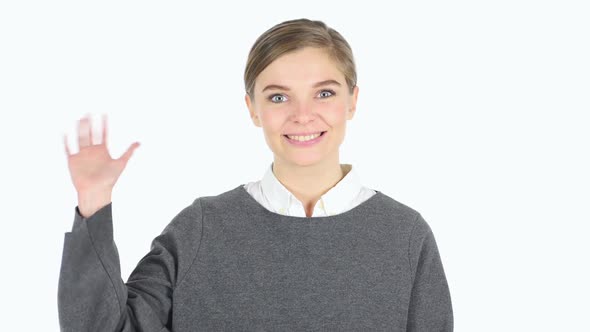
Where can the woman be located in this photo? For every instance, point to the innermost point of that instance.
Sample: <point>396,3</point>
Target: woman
<point>305,248</point>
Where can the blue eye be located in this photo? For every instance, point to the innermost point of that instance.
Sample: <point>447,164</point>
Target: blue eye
<point>271,98</point>
<point>329,91</point>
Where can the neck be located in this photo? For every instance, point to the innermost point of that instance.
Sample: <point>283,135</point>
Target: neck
<point>309,182</point>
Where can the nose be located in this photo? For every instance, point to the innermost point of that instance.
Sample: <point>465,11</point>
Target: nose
<point>302,112</point>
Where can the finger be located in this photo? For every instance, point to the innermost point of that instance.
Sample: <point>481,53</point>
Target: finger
<point>66,145</point>
<point>83,132</point>
<point>89,128</point>
<point>104,129</point>
<point>125,157</point>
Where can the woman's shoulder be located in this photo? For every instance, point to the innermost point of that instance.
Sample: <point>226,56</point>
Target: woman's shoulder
<point>392,206</point>
<point>229,196</point>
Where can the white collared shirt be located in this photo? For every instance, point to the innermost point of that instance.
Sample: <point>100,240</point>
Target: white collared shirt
<point>345,195</point>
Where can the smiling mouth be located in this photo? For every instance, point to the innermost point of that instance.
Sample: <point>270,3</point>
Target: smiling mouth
<point>321,134</point>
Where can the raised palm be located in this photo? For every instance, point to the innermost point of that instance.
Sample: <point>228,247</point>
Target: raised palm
<point>92,169</point>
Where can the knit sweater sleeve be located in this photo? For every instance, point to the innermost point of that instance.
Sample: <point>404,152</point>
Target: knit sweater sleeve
<point>91,294</point>
<point>430,303</point>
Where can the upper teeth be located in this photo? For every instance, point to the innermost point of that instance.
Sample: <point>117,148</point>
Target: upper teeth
<point>304,138</point>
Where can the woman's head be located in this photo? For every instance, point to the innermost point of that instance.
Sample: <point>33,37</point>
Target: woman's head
<point>294,35</point>
<point>300,77</point>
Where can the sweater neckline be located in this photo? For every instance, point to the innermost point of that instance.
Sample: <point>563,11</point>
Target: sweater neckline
<point>256,205</point>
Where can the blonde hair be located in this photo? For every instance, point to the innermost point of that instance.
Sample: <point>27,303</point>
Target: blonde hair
<point>293,35</point>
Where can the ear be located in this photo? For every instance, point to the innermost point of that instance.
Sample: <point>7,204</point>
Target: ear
<point>253,114</point>
<point>353,99</point>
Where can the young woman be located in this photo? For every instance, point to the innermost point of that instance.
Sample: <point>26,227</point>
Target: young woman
<point>306,248</point>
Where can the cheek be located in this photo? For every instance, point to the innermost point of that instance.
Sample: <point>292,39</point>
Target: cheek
<point>272,119</point>
<point>335,112</point>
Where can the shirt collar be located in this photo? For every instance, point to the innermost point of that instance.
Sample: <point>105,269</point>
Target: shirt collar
<point>337,199</point>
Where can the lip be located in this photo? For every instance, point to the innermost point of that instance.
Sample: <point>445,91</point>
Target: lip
<point>305,134</point>
<point>307,143</point>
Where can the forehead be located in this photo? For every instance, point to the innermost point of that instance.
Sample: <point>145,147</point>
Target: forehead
<point>305,66</point>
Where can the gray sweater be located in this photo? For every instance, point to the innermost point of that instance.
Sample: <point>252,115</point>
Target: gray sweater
<point>226,263</point>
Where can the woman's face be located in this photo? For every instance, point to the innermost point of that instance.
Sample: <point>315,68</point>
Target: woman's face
<point>290,98</point>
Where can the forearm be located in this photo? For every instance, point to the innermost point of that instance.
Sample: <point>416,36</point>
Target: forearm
<point>91,294</point>
<point>89,287</point>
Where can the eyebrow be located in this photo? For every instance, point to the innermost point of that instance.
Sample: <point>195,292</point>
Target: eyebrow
<point>318,84</point>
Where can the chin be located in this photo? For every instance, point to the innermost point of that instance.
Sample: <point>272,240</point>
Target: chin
<point>303,160</point>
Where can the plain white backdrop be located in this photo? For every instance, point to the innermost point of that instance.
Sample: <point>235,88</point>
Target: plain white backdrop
<point>473,113</point>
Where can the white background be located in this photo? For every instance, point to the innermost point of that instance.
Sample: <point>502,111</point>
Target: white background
<point>473,113</point>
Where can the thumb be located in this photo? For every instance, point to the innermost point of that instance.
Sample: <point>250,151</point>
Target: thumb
<point>125,157</point>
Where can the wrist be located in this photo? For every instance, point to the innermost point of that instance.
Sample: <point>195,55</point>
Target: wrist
<point>89,203</point>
